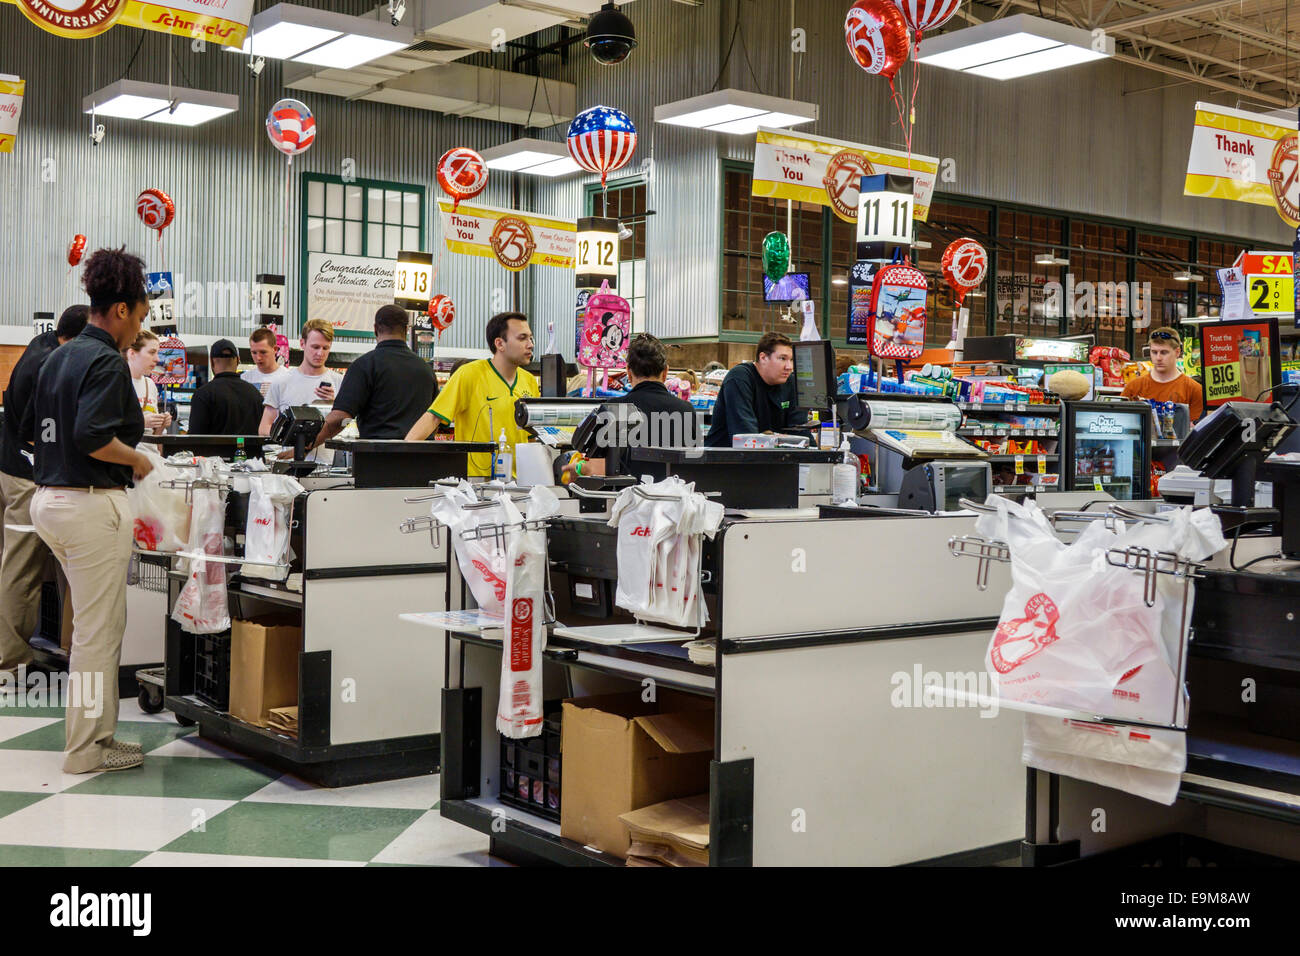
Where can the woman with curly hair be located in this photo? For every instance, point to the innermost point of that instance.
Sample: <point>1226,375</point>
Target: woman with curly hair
<point>85,421</point>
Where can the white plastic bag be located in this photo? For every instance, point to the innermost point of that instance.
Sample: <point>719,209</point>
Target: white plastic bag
<point>162,515</point>
<point>266,536</point>
<point>203,606</point>
<point>1142,761</point>
<point>482,561</point>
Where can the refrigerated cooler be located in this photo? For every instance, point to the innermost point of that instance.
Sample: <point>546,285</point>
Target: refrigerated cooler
<point>1107,447</point>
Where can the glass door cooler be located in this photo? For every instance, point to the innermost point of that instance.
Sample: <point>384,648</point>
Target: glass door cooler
<point>1107,447</point>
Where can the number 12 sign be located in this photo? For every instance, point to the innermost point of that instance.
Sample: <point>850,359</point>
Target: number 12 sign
<point>597,252</point>
<point>885,205</point>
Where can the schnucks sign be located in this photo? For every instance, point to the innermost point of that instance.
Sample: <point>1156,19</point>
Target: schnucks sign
<point>224,22</point>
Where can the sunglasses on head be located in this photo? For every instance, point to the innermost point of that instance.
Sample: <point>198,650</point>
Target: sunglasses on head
<point>1164,335</point>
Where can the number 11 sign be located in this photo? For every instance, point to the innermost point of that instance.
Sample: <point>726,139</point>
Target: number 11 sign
<point>884,215</point>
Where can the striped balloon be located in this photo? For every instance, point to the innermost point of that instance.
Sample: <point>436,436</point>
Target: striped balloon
<point>291,127</point>
<point>601,140</point>
<point>922,15</point>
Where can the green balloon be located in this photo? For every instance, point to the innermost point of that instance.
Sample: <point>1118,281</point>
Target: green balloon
<point>776,255</point>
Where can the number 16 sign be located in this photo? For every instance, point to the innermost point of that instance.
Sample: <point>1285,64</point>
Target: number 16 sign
<point>884,215</point>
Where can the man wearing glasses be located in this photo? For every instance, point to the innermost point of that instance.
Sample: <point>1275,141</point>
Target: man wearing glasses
<point>1165,383</point>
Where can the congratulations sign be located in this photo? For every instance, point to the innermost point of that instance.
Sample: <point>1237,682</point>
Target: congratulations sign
<point>828,171</point>
<point>1246,157</point>
<point>11,107</point>
<point>514,239</point>
<point>347,291</point>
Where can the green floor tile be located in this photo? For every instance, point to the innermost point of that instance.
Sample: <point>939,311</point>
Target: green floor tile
<point>199,778</point>
<point>10,801</point>
<point>32,711</point>
<point>67,856</point>
<point>302,832</point>
<point>148,734</point>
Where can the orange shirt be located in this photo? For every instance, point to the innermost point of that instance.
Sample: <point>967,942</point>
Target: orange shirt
<point>1183,390</point>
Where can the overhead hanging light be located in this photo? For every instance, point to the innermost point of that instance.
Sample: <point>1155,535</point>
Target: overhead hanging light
<point>1187,275</point>
<point>1050,259</point>
<point>290,32</point>
<point>1014,46</point>
<point>159,103</point>
<point>535,157</point>
<point>735,111</point>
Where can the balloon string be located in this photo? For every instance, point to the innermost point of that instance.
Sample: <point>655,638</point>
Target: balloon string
<point>284,240</point>
<point>916,83</point>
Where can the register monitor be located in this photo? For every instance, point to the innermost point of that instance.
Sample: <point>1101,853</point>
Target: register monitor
<point>940,485</point>
<point>1232,440</point>
<point>814,376</point>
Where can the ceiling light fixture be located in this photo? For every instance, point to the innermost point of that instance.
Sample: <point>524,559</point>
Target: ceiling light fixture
<point>535,157</point>
<point>1187,275</point>
<point>735,111</point>
<point>158,103</point>
<point>1015,46</point>
<point>1050,259</point>
<point>335,40</point>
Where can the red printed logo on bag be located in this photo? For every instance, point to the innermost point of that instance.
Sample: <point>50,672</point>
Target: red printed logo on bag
<point>1019,639</point>
<point>521,635</point>
<point>147,534</point>
<point>498,583</point>
<point>642,532</point>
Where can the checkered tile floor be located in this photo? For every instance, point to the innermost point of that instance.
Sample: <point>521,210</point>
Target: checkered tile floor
<point>194,803</point>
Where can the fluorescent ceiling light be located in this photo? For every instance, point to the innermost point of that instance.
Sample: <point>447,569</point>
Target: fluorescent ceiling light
<point>1187,275</point>
<point>131,99</point>
<point>839,280</point>
<point>1014,46</point>
<point>1050,259</point>
<point>319,37</point>
<point>536,157</point>
<point>735,111</point>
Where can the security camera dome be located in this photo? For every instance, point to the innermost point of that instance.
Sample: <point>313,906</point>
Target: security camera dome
<point>610,36</point>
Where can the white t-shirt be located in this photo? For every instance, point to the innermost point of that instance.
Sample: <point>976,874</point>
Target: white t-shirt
<point>263,380</point>
<point>295,388</point>
<point>146,393</point>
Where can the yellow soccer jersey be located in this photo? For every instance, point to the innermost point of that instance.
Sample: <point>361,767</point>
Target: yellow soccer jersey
<point>479,403</point>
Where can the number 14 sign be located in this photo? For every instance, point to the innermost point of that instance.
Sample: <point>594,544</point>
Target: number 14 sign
<point>885,205</point>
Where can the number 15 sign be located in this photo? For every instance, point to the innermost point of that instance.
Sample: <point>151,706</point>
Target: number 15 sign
<point>884,215</point>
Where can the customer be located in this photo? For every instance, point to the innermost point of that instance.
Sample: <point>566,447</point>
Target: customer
<point>479,398</point>
<point>227,405</point>
<point>757,396</point>
<point>388,388</point>
<point>85,420</point>
<point>266,367</point>
<point>1166,382</point>
<point>142,357</point>
<point>23,562</point>
<point>308,384</point>
<point>670,421</point>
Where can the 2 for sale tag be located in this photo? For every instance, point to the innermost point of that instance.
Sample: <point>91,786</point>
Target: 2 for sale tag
<point>1042,463</point>
<point>1096,483</point>
<point>1020,464</point>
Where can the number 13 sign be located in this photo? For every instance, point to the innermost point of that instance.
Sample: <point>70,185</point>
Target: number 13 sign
<point>884,215</point>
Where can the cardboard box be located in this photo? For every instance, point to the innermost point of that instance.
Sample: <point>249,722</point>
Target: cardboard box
<point>263,668</point>
<point>621,753</point>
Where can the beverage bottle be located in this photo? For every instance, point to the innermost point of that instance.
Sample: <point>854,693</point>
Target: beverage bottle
<point>239,449</point>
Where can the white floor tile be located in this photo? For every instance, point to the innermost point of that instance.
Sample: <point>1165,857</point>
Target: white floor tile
<point>36,771</point>
<point>196,746</point>
<point>94,821</point>
<point>411,793</point>
<point>476,858</point>
<point>129,709</point>
<point>205,860</point>
<point>11,727</point>
<point>432,839</point>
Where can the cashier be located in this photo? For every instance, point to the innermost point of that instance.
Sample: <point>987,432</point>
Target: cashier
<point>479,398</point>
<point>757,396</point>
<point>669,421</point>
<point>1165,382</point>
<point>387,389</point>
<point>227,405</point>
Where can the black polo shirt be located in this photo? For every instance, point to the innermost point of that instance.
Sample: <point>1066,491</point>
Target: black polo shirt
<point>22,383</point>
<point>387,390</point>
<point>748,405</point>
<point>671,422</point>
<point>84,399</point>
<point>227,405</point>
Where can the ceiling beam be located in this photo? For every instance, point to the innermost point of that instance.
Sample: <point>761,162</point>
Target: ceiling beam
<point>1168,13</point>
<point>1168,70</point>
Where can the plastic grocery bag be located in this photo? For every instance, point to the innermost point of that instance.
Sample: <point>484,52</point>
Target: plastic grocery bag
<point>202,606</point>
<point>1143,761</point>
<point>482,561</point>
<point>266,536</point>
<point>162,515</point>
<point>519,707</point>
<point>1075,632</point>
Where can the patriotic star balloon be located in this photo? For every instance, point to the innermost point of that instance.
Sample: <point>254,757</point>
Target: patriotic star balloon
<point>601,139</point>
<point>291,126</point>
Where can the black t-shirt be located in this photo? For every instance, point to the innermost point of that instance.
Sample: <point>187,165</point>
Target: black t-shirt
<point>227,405</point>
<point>387,390</point>
<point>670,422</point>
<point>84,399</point>
<point>22,383</point>
<point>748,405</point>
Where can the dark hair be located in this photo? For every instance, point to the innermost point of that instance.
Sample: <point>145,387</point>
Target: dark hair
<point>499,325</point>
<point>72,321</point>
<point>263,334</point>
<point>768,343</point>
<point>646,357</point>
<point>390,319</point>
<point>111,276</point>
<point>457,364</point>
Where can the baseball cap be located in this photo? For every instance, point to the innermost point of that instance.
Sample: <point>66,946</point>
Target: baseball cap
<point>224,348</point>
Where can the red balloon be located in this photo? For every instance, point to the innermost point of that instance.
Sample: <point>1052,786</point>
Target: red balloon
<point>462,174</point>
<point>75,248</point>
<point>965,263</point>
<point>877,36</point>
<point>442,312</point>
<point>155,209</point>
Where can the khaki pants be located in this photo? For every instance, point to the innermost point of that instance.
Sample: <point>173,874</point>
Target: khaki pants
<point>21,570</point>
<point>90,535</point>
